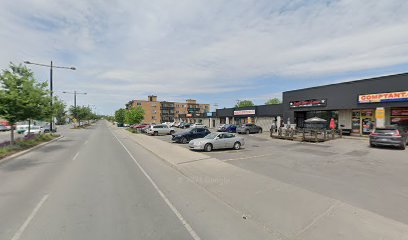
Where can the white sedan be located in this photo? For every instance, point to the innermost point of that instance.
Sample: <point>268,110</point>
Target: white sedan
<point>217,140</point>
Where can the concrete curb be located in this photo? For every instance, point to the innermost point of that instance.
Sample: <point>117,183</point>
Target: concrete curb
<point>18,154</point>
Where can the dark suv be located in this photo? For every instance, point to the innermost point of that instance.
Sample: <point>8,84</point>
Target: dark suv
<point>390,136</point>
<point>249,128</point>
<point>186,136</point>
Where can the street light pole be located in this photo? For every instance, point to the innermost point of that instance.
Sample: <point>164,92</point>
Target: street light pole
<point>75,99</point>
<point>51,66</point>
<point>51,94</point>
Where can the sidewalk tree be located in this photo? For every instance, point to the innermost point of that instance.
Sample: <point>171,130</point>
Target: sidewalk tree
<point>273,101</point>
<point>120,116</point>
<point>134,115</point>
<point>21,96</point>
<point>59,111</point>
<point>81,113</point>
<point>244,103</point>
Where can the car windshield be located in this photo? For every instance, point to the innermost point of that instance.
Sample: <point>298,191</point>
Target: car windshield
<point>211,136</point>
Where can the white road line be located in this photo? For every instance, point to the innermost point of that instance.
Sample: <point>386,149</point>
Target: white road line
<point>249,157</point>
<point>76,155</point>
<point>20,231</point>
<point>171,206</point>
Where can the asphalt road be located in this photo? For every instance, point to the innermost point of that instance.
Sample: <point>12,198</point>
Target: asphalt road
<point>374,179</point>
<point>93,184</point>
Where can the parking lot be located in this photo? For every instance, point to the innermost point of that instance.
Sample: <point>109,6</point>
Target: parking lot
<point>346,169</point>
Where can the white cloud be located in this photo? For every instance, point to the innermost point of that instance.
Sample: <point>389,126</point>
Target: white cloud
<point>124,49</point>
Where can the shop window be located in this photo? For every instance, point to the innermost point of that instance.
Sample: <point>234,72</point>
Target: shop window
<point>399,116</point>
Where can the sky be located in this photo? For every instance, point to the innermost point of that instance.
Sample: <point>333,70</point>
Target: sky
<point>215,51</point>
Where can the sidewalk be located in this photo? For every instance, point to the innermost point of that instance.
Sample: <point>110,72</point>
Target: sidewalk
<point>286,211</point>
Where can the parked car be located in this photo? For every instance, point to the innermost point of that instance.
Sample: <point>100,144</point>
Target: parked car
<point>144,130</point>
<point>20,129</point>
<point>177,124</point>
<point>389,136</point>
<point>227,128</point>
<point>217,140</point>
<point>198,125</point>
<point>3,128</point>
<point>190,134</point>
<point>249,128</point>
<point>140,126</point>
<point>23,129</point>
<point>46,128</point>
<point>160,130</point>
<point>185,125</point>
<point>221,126</point>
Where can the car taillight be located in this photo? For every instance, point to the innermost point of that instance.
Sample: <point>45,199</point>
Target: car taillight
<point>396,133</point>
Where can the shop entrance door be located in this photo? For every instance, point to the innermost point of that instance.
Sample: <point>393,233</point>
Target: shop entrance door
<point>300,118</point>
<point>363,121</point>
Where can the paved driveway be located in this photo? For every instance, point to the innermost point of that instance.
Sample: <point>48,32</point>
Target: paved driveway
<point>346,169</point>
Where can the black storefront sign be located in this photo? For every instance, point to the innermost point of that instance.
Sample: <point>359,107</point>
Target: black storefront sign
<point>308,103</point>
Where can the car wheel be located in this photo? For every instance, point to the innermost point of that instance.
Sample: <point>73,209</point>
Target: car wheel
<point>260,130</point>
<point>155,133</point>
<point>172,132</point>
<point>208,147</point>
<point>237,145</point>
<point>403,146</point>
<point>184,140</point>
<point>247,131</point>
<point>372,145</point>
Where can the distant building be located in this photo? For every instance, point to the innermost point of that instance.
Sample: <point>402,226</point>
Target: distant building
<point>164,111</point>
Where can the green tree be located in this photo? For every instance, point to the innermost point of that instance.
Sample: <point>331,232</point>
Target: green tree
<point>81,113</point>
<point>244,103</point>
<point>21,96</point>
<point>120,115</point>
<point>273,101</point>
<point>134,115</point>
<point>59,111</point>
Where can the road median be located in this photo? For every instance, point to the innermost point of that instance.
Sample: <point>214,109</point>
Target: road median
<point>23,150</point>
<point>285,210</point>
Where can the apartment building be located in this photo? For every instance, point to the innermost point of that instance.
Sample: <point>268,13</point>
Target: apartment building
<point>165,111</point>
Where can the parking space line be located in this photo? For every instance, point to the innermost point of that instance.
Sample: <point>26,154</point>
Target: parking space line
<point>194,160</point>
<point>76,155</point>
<point>249,157</point>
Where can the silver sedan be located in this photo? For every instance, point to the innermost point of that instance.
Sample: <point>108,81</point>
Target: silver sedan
<point>217,140</point>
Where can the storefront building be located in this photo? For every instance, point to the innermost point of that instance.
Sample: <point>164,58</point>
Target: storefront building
<point>356,106</point>
<point>263,115</point>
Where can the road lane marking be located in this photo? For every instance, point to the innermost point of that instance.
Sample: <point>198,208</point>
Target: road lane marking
<point>166,200</point>
<point>76,155</point>
<point>20,231</point>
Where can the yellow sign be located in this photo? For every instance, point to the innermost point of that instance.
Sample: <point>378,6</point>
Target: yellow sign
<point>379,113</point>
<point>384,97</point>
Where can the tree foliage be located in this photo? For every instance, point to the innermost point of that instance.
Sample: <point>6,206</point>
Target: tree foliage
<point>59,111</point>
<point>82,113</point>
<point>22,97</point>
<point>273,101</point>
<point>120,116</point>
<point>244,103</point>
<point>134,115</point>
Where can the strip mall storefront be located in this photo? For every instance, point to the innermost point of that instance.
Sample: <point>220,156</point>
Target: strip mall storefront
<point>357,106</point>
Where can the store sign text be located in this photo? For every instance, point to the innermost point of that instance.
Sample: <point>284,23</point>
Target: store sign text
<point>384,97</point>
<point>244,112</point>
<point>308,103</point>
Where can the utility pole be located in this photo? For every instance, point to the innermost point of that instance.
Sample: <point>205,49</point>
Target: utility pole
<point>51,66</point>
